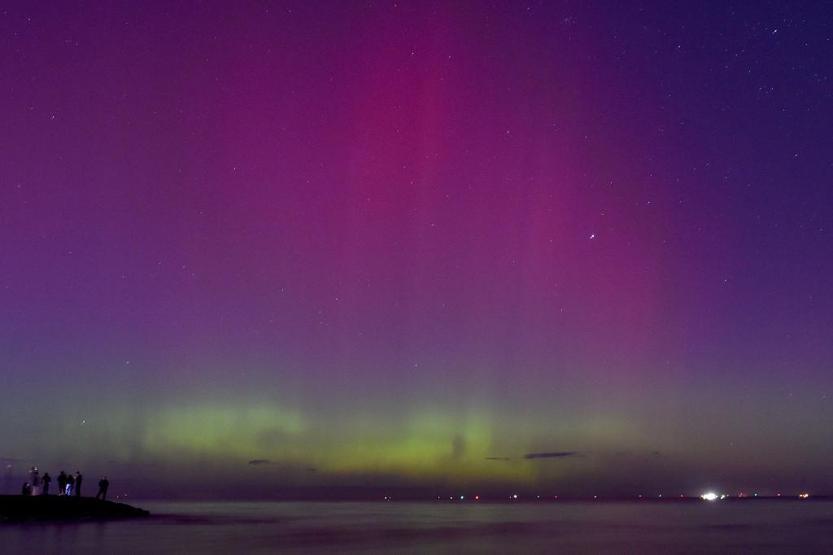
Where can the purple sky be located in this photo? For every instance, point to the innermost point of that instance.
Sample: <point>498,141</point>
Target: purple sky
<point>394,244</point>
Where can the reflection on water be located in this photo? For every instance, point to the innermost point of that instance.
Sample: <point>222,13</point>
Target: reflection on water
<point>442,528</point>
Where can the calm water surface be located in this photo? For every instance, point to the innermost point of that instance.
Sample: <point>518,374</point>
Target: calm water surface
<point>747,527</point>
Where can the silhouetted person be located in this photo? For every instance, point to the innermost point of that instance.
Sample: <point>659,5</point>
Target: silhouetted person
<point>62,483</point>
<point>103,484</point>
<point>27,489</point>
<point>70,484</point>
<point>47,479</point>
<point>78,478</point>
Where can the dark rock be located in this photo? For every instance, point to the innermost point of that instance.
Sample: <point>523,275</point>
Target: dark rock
<point>19,508</point>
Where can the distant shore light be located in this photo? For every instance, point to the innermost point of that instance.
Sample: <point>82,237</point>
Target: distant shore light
<point>709,496</point>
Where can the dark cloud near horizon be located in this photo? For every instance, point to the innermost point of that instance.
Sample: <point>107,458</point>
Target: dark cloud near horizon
<point>458,447</point>
<point>257,462</point>
<point>551,455</point>
<point>498,458</point>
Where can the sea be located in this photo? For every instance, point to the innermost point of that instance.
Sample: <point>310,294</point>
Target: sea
<point>776,526</point>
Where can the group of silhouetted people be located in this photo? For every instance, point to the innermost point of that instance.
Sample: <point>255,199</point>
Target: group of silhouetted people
<point>69,485</point>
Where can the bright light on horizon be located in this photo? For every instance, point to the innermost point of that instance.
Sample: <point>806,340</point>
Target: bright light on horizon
<point>709,496</point>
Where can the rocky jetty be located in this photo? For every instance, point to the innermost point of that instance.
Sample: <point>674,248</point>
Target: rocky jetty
<point>19,508</point>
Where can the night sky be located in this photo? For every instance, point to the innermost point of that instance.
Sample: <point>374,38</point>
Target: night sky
<point>249,249</point>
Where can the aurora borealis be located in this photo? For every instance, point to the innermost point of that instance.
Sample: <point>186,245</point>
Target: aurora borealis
<point>444,246</point>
